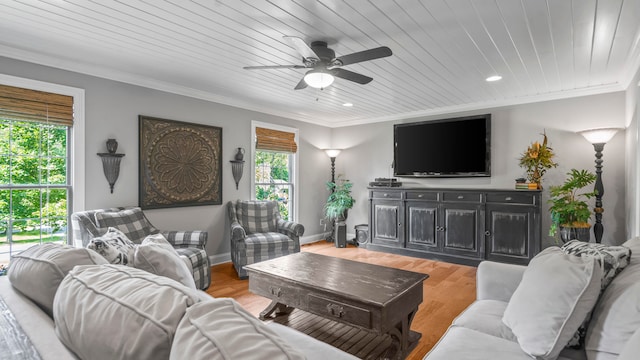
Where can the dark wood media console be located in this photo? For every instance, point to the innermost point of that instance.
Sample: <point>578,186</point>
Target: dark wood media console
<point>463,226</point>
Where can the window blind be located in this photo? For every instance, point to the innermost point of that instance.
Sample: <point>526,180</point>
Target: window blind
<point>275,140</point>
<point>37,106</point>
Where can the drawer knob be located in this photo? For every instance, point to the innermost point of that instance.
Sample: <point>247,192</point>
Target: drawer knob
<point>487,233</point>
<point>420,196</point>
<point>460,197</point>
<point>275,291</point>
<point>386,195</point>
<point>508,198</point>
<point>335,310</point>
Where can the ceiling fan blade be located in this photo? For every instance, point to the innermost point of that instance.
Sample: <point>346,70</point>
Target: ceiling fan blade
<point>351,76</point>
<point>301,85</point>
<point>302,47</point>
<point>274,67</point>
<point>361,56</point>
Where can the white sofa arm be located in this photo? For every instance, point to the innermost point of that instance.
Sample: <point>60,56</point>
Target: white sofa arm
<point>497,281</point>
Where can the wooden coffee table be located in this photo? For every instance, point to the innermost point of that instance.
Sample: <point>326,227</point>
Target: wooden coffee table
<point>379,299</point>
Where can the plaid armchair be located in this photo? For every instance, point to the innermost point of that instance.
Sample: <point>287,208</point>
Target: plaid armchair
<point>258,233</point>
<point>132,222</point>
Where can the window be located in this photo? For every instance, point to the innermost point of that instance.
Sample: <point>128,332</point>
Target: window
<point>274,171</point>
<point>36,141</point>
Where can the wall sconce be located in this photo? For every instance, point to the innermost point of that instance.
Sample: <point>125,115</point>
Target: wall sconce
<point>111,162</point>
<point>599,137</point>
<point>237,166</point>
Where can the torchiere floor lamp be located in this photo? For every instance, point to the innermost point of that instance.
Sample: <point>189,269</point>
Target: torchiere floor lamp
<point>332,153</point>
<point>599,137</point>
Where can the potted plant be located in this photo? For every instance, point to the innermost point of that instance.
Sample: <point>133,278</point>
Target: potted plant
<point>537,159</point>
<point>570,212</point>
<point>340,199</point>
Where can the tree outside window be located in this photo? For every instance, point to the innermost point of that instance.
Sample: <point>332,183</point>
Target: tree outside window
<point>273,180</point>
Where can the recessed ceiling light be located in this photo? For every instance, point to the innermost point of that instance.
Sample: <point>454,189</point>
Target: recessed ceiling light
<point>494,78</point>
<point>347,104</point>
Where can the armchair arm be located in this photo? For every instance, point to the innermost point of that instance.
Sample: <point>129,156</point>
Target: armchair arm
<point>497,281</point>
<point>237,232</point>
<point>290,228</point>
<point>185,239</point>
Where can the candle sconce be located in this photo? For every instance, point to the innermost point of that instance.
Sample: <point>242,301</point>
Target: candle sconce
<point>237,166</point>
<point>111,162</point>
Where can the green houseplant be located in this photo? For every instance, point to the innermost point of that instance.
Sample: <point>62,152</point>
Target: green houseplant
<point>340,199</point>
<point>570,212</point>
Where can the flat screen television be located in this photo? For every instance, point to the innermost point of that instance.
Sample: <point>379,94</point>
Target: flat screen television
<point>457,147</point>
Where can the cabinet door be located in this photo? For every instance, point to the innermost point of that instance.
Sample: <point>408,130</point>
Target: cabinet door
<point>461,229</point>
<point>386,223</point>
<point>422,220</point>
<point>511,233</point>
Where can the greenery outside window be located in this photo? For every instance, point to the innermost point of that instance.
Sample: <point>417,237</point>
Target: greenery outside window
<point>274,162</point>
<point>35,186</point>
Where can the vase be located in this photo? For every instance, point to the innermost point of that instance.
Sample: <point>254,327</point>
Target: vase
<point>240,154</point>
<point>112,146</point>
<point>573,233</point>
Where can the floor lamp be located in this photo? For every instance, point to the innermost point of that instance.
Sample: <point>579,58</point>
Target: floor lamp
<point>332,154</point>
<point>598,137</point>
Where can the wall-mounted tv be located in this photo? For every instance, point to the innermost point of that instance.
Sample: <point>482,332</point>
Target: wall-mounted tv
<point>457,147</point>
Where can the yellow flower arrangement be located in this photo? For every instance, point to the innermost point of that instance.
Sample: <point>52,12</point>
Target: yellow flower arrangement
<point>537,159</point>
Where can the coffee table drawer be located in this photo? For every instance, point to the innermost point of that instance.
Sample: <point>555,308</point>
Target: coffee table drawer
<point>337,310</point>
<point>282,293</point>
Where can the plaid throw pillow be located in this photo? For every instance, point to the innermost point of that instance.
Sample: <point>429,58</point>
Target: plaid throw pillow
<point>130,221</point>
<point>258,216</point>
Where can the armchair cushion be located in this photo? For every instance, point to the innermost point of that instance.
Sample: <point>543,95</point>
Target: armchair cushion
<point>257,216</point>
<point>267,246</point>
<point>131,222</point>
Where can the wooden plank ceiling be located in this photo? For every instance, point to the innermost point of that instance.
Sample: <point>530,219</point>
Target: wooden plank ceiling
<point>442,50</point>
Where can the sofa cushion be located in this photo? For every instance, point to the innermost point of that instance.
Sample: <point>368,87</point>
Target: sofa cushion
<point>556,294</point>
<point>632,348</point>
<point>460,343</point>
<point>37,271</point>
<point>486,316</point>
<point>616,316</point>
<point>210,330</point>
<point>157,256</point>
<point>119,312</point>
<point>257,216</point>
<point>114,246</point>
<point>131,222</point>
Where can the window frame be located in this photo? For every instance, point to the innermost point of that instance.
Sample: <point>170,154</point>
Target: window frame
<point>75,140</point>
<point>293,164</point>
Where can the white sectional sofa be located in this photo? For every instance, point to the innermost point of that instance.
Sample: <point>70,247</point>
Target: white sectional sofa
<point>480,332</point>
<point>53,309</point>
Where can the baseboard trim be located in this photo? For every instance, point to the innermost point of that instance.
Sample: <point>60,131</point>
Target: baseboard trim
<point>312,238</point>
<point>219,259</point>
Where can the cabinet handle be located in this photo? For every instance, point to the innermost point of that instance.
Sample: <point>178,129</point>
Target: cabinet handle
<point>386,195</point>
<point>420,196</point>
<point>275,291</point>
<point>335,310</point>
<point>487,233</point>
<point>460,197</point>
<point>508,198</point>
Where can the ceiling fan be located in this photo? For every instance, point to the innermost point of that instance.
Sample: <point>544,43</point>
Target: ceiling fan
<point>325,65</point>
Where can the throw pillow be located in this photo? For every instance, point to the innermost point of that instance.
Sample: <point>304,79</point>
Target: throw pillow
<point>118,312</point>
<point>555,295</point>
<point>157,256</point>
<point>209,330</point>
<point>612,259</point>
<point>37,271</point>
<point>258,216</point>
<point>114,246</point>
<point>131,222</point>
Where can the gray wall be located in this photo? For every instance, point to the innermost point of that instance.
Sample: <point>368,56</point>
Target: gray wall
<point>112,110</point>
<point>632,117</point>
<point>369,153</point>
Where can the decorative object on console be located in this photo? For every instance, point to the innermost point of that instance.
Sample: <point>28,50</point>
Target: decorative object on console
<point>569,210</point>
<point>180,164</point>
<point>599,137</point>
<point>537,159</point>
<point>111,162</point>
<point>237,166</point>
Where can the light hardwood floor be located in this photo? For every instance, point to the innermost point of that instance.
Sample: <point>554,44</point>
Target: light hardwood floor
<point>449,289</point>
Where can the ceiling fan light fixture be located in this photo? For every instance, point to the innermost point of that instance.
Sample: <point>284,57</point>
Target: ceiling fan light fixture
<point>318,79</point>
